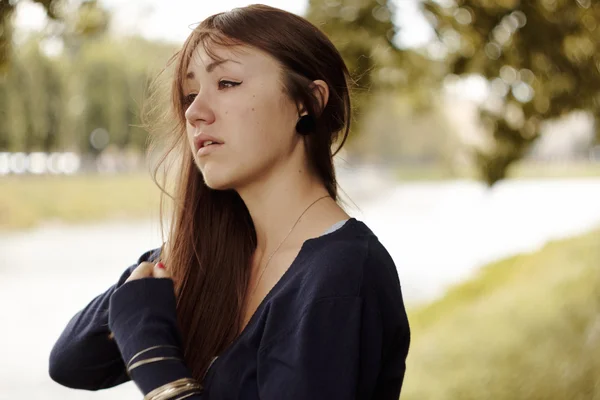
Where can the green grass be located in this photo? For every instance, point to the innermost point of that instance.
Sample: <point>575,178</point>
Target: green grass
<point>29,200</point>
<point>527,327</point>
<point>523,170</point>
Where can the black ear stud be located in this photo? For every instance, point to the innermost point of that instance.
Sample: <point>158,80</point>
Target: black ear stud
<point>306,125</point>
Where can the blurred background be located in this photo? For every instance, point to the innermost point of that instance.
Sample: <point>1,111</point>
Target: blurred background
<point>474,156</point>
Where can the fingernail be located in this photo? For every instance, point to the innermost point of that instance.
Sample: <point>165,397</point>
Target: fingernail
<point>160,265</point>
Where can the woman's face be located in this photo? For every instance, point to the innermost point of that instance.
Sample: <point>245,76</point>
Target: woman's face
<point>240,102</point>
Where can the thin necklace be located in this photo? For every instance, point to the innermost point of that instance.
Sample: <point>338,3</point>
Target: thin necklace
<point>280,243</point>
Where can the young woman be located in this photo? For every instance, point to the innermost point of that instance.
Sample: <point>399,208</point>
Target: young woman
<point>266,288</point>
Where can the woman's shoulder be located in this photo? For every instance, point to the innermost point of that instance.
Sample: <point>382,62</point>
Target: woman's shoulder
<point>356,264</point>
<point>341,263</point>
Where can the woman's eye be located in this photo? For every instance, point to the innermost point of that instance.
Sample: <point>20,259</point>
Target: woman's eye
<point>223,84</point>
<point>227,84</point>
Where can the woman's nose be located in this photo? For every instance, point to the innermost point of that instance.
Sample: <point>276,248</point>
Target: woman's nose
<point>199,112</point>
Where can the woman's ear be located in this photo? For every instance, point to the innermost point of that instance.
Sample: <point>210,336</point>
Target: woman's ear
<point>321,91</point>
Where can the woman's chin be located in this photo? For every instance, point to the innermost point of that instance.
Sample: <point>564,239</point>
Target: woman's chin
<point>219,179</point>
<point>217,182</point>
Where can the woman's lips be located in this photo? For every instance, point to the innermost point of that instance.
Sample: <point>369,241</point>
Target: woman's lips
<point>206,150</point>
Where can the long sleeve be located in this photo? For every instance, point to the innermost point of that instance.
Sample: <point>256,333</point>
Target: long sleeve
<point>84,356</point>
<point>142,315</point>
<point>334,352</point>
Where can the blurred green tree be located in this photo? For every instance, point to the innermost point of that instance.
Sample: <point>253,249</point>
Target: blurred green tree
<point>31,102</point>
<point>541,57</point>
<point>65,83</point>
<point>113,91</point>
<point>363,31</point>
<point>42,96</point>
<point>7,9</point>
<point>90,19</point>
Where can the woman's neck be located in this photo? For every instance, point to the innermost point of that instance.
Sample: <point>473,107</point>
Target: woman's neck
<point>276,203</point>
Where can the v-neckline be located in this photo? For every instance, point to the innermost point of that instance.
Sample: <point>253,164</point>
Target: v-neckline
<point>332,229</point>
<point>280,282</point>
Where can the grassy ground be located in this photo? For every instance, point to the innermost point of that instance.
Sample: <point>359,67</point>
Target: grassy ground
<point>525,328</point>
<point>26,201</point>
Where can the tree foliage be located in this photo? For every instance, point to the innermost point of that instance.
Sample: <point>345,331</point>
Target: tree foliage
<point>362,30</point>
<point>7,9</point>
<point>541,58</point>
<point>89,19</point>
<point>51,103</point>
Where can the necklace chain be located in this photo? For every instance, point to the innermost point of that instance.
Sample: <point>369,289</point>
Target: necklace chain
<point>278,246</point>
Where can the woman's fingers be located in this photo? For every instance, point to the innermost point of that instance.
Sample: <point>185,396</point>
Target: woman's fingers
<point>160,271</point>
<point>149,270</point>
<point>144,270</point>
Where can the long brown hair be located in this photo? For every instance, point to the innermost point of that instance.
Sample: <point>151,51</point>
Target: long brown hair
<point>211,236</point>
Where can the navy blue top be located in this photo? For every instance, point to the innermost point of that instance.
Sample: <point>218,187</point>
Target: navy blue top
<point>333,327</point>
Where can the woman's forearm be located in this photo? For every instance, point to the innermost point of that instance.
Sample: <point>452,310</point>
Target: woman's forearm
<point>85,356</point>
<point>143,320</point>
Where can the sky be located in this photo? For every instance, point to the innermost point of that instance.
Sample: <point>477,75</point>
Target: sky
<point>171,19</point>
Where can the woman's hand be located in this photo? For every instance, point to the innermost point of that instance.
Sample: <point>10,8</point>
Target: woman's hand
<point>149,270</point>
